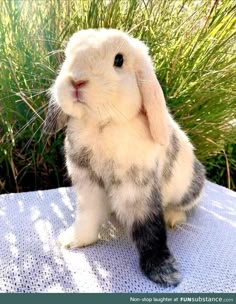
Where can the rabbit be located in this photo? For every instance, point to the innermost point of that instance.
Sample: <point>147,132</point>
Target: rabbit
<point>124,152</point>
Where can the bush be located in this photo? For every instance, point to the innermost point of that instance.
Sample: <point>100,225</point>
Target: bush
<point>192,44</point>
<point>221,168</point>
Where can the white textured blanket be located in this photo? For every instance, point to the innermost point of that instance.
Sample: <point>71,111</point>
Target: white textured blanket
<point>30,260</point>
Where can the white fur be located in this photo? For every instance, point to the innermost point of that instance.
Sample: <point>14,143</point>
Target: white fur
<point>111,122</point>
<point>90,215</point>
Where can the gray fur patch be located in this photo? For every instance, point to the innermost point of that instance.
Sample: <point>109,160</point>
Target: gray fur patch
<point>82,159</point>
<point>114,180</point>
<point>96,179</point>
<point>55,120</point>
<point>111,180</point>
<point>171,154</point>
<point>166,273</point>
<point>196,185</point>
<point>141,177</point>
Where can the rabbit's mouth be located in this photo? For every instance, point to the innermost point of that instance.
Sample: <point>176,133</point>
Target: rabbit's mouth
<point>77,96</point>
<point>78,100</point>
<point>77,87</point>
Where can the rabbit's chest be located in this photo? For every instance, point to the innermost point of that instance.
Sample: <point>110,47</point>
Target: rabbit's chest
<point>111,161</point>
<point>125,146</point>
<point>113,176</point>
<point>113,156</point>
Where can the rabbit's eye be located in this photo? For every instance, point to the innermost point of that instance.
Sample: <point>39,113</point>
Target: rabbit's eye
<point>119,60</point>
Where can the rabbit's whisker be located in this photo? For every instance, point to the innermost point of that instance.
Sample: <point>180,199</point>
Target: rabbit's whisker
<point>108,109</point>
<point>31,139</point>
<point>145,80</point>
<point>117,111</point>
<point>99,112</point>
<point>33,118</point>
<point>53,113</point>
<point>126,119</point>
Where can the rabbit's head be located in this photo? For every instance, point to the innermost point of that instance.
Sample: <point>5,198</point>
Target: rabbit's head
<point>108,76</point>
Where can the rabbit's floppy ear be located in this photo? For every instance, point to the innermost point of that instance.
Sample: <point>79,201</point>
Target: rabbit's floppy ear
<point>55,119</point>
<point>153,101</point>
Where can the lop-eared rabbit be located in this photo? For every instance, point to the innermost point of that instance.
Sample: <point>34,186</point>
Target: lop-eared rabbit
<point>124,152</point>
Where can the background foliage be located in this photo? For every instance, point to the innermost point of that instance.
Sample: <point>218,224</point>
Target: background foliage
<point>193,48</point>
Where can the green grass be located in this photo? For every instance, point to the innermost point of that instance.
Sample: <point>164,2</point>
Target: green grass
<point>193,47</point>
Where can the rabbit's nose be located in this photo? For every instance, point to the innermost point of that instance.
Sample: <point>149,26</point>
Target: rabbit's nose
<point>78,84</point>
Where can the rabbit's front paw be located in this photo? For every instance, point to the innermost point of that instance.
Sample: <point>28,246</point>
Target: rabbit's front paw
<point>163,272</point>
<point>73,238</point>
